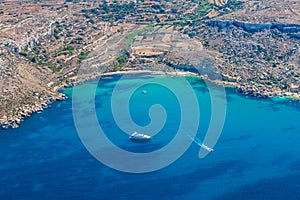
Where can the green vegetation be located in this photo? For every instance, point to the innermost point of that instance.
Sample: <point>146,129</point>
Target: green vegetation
<point>204,10</point>
<point>83,55</point>
<point>122,59</point>
<point>272,62</point>
<point>192,34</point>
<point>86,16</point>
<point>68,34</point>
<point>91,21</point>
<point>77,40</point>
<point>269,59</point>
<point>234,5</point>
<point>23,54</point>
<point>73,1</point>
<point>31,56</point>
<point>191,19</point>
<point>157,19</point>
<point>55,69</point>
<point>204,7</point>
<point>205,44</point>
<point>101,12</point>
<point>132,35</point>
<point>55,33</point>
<point>117,68</point>
<point>274,80</point>
<point>33,59</point>
<point>121,30</point>
<point>67,48</point>
<point>36,55</point>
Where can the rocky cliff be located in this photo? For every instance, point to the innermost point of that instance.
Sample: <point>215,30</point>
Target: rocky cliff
<point>292,29</point>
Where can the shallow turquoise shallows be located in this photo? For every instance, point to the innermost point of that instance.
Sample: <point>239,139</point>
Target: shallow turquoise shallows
<point>256,157</point>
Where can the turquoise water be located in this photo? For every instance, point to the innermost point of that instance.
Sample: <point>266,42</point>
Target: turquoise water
<point>256,157</point>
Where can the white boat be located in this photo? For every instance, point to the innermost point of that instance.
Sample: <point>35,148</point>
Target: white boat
<point>139,137</point>
<point>144,92</point>
<point>206,148</point>
<point>200,143</point>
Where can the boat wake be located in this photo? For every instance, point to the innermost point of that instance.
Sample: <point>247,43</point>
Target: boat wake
<point>200,143</point>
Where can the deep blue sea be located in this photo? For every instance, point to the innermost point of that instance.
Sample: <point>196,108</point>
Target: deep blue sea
<point>256,157</point>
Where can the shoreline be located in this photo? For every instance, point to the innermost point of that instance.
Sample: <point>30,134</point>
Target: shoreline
<point>284,96</point>
<point>27,110</point>
<point>241,89</point>
<point>237,86</point>
<point>38,107</point>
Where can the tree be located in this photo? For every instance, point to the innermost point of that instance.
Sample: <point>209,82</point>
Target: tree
<point>122,59</point>
<point>157,19</point>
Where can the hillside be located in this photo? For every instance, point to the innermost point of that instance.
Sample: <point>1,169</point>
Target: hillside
<point>253,45</point>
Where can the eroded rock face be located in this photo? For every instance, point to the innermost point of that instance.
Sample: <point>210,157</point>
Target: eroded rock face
<point>261,57</point>
<point>255,27</point>
<point>23,89</point>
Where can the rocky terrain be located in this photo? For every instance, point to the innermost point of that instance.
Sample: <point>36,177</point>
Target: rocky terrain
<point>258,47</point>
<point>252,45</point>
<point>265,62</point>
<point>23,89</point>
<point>265,11</point>
<point>40,47</point>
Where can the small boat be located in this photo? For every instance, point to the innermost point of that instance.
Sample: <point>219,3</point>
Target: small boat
<point>200,143</point>
<point>139,137</point>
<point>207,148</point>
<point>144,92</point>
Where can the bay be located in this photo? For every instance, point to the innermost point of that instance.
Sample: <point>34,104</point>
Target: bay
<point>256,157</point>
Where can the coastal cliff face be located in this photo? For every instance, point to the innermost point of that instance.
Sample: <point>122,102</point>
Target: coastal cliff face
<point>263,58</point>
<point>253,45</point>
<point>293,29</point>
<point>23,90</point>
<point>260,58</point>
<point>266,12</point>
